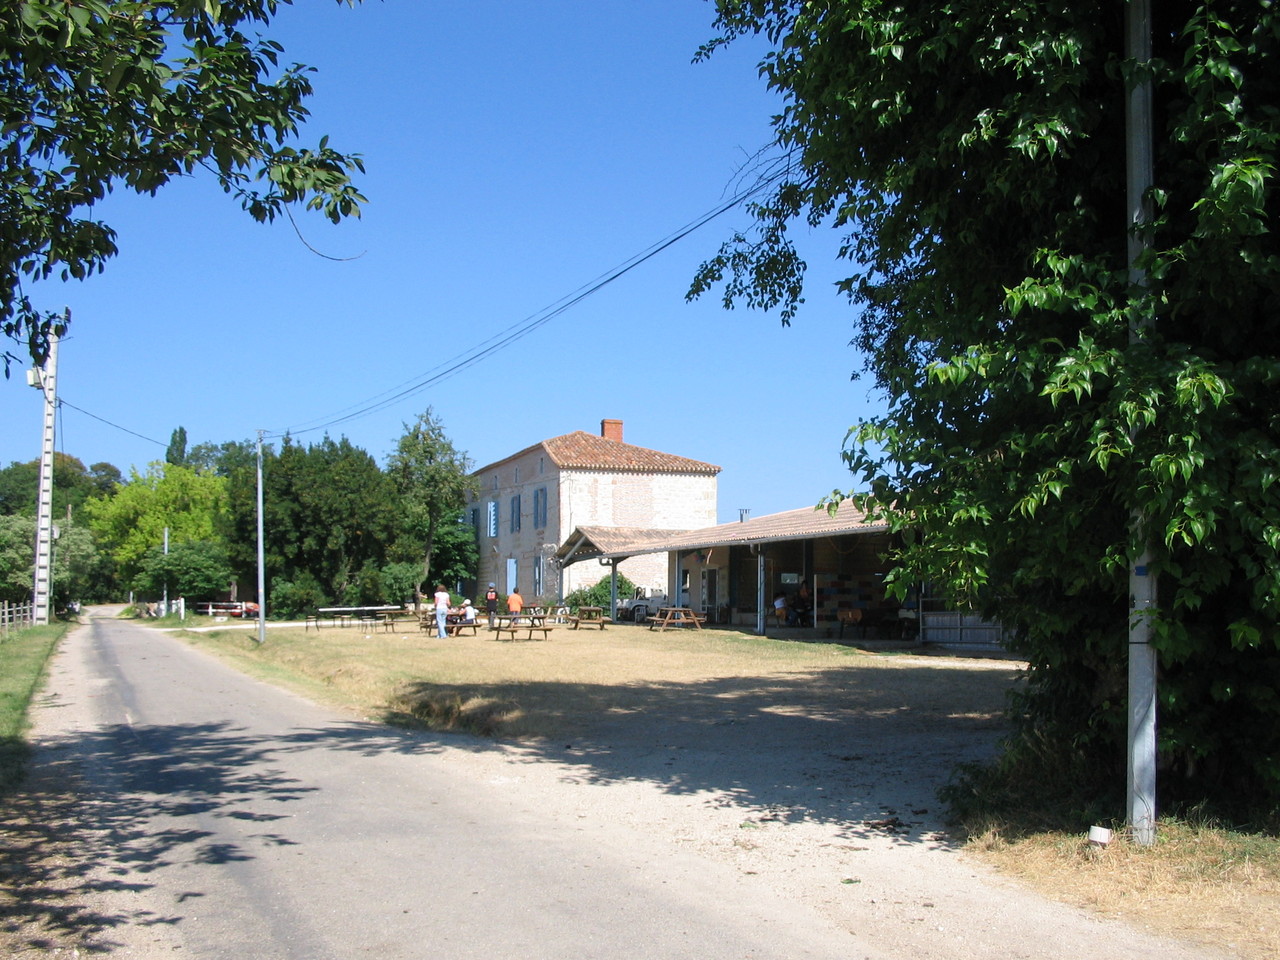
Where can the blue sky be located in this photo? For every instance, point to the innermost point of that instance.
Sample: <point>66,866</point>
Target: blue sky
<point>516,151</point>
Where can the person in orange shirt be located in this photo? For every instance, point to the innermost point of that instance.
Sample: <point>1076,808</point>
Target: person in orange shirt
<point>515,602</point>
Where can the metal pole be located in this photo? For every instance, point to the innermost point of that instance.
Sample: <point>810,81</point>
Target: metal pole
<point>46,379</point>
<point>760,597</point>
<point>1140,176</point>
<point>262,566</point>
<point>166,573</point>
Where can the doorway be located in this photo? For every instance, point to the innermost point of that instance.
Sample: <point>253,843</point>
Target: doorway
<point>710,593</point>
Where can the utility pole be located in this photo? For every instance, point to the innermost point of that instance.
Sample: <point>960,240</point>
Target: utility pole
<point>1140,177</point>
<point>45,379</point>
<point>262,566</point>
<point>166,573</point>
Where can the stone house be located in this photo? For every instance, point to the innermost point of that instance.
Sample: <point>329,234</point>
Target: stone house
<point>531,501</point>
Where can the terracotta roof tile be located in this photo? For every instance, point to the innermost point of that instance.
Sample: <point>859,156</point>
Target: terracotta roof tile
<point>801,524</point>
<point>585,451</point>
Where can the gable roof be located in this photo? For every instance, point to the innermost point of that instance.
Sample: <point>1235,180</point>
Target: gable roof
<point>803,524</point>
<point>585,451</point>
<point>587,542</point>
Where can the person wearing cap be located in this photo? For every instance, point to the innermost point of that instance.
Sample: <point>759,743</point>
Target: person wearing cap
<point>491,604</point>
<point>468,612</point>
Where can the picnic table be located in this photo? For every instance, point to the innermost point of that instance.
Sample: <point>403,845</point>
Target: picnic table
<point>454,622</point>
<point>676,617</point>
<point>342,616</point>
<point>527,620</point>
<point>591,616</point>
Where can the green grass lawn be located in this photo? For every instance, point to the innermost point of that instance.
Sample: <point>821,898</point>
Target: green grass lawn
<point>24,654</point>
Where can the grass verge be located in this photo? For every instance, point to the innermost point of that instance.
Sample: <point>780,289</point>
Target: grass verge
<point>1201,881</point>
<point>24,654</point>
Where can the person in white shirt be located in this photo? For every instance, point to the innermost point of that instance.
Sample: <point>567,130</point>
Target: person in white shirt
<point>442,610</point>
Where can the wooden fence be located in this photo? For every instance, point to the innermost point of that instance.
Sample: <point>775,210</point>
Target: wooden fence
<point>14,616</point>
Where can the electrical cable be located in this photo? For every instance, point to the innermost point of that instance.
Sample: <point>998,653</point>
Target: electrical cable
<point>776,170</point>
<point>62,401</point>
<point>529,324</point>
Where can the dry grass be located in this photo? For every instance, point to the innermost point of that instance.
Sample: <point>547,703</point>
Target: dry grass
<point>523,689</point>
<point>1197,882</point>
<point>1215,886</point>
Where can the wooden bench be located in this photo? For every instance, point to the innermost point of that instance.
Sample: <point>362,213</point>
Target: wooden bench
<point>676,617</point>
<point>515,628</point>
<point>600,622</point>
<point>591,616</point>
<point>455,629</point>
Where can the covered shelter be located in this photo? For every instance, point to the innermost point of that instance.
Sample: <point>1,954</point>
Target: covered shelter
<point>731,572</point>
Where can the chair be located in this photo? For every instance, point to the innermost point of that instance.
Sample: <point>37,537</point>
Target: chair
<point>850,618</point>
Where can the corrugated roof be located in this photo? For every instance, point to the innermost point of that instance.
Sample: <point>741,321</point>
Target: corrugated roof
<point>585,451</point>
<point>802,524</point>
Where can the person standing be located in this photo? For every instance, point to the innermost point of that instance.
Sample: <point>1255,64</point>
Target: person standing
<point>802,605</point>
<point>515,602</point>
<point>442,611</point>
<point>491,604</point>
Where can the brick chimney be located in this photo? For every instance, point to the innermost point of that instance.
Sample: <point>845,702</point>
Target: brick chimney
<point>611,429</point>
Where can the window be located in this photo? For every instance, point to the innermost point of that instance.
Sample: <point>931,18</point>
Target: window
<point>493,518</point>
<point>537,576</point>
<point>515,513</point>
<point>540,507</point>
<point>517,476</point>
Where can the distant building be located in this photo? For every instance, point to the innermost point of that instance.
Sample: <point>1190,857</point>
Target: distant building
<point>531,501</point>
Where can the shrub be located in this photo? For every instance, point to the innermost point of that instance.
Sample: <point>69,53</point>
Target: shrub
<point>295,598</point>
<point>599,594</point>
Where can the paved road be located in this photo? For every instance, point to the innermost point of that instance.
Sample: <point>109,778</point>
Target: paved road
<point>231,819</point>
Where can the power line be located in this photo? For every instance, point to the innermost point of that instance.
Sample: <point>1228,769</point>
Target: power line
<point>528,325</point>
<point>774,171</point>
<point>63,402</point>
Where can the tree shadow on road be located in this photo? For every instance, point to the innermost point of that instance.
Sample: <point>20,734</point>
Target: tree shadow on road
<point>863,751</point>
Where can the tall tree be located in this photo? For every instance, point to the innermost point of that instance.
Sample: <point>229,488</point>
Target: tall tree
<point>328,512</point>
<point>237,462</point>
<point>195,570</point>
<point>176,453</point>
<point>72,485</point>
<point>100,94</point>
<point>78,570</point>
<point>433,480</point>
<point>133,521</point>
<point>972,156</point>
